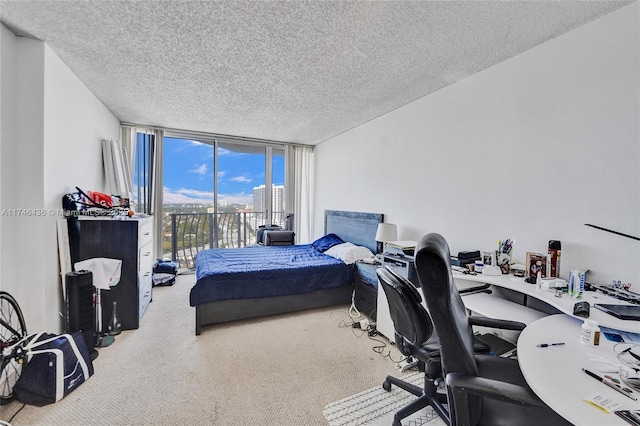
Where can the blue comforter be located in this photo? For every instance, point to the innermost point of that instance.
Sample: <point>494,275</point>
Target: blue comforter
<point>255,272</point>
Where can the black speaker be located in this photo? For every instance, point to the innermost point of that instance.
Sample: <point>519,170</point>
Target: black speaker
<point>81,313</point>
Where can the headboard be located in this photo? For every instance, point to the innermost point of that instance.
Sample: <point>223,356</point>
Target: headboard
<point>355,227</point>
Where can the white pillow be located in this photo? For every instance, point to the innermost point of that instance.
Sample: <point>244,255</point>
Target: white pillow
<point>349,253</point>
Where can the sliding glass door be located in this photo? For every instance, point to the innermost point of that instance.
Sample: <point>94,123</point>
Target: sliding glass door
<point>240,190</point>
<point>217,193</point>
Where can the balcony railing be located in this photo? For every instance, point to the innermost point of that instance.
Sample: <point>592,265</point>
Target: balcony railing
<point>193,232</point>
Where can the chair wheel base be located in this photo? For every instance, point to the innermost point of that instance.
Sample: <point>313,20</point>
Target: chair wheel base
<point>386,386</point>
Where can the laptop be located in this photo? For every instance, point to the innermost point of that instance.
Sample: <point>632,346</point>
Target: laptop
<point>624,312</point>
<point>498,346</point>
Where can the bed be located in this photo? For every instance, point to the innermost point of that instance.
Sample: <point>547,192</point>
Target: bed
<point>234,284</point>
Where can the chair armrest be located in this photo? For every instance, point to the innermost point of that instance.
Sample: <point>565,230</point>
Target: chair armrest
<point>490,388</point>
<point>497,323</point>
<point>461,386</point>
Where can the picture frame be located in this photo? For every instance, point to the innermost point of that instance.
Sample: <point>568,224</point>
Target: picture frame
<point>536,262</point>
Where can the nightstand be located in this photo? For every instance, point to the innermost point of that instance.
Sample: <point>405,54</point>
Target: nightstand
<point>366,289</point>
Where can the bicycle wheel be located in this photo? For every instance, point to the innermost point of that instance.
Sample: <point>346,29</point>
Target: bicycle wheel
<point>12,325</point>
<point>12,330</point>
<point>10,373</point>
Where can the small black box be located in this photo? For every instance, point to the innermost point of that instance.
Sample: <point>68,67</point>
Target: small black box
<point>469,255</point>
<point>581,309</point>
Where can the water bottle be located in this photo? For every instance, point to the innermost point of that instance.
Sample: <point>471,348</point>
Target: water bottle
<point>114,325</point>
<point>576,283</point>
<point>572,285</point>
<point>553,259</point>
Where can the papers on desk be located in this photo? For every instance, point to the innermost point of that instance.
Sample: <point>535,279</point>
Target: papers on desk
<point>406,248</point>
<point>602,403</point>
<point>613,362</point>
<point>402,244</point>
<point>627,337</point>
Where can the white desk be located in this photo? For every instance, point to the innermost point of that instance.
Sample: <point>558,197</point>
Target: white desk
<point>496,307</point>
<point>563,304</point>
<point>555,373</point>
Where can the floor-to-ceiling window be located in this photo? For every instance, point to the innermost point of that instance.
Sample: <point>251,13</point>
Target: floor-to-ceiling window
<point>188,197</point>
<point>217,193</point>
<point>240,192</point>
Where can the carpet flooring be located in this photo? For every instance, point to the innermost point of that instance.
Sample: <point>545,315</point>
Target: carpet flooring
<point>277,370</point>
<point>376,407</point>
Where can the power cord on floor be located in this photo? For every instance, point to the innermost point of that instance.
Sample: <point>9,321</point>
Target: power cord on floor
<point>14,414</point>
<point>365,327</point>
<point>353,322</point>
<point>371,331</point>
<point>379,349</point>
<point>353,311</point>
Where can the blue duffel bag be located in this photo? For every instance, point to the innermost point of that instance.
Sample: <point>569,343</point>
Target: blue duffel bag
<point>55,366</point>
<point>165,267</point>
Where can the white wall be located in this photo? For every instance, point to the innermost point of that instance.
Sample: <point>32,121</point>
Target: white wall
<point>22,176</point>
<point>53,145</point>
<point>7,133</point>
<point>531,149</point>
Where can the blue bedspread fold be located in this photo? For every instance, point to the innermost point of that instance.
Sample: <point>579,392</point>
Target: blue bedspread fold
<point>255,272</point>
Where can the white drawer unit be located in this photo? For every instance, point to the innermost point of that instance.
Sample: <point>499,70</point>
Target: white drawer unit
<point>145,291</point>
<point>145,233</point>
<point>145,266</point>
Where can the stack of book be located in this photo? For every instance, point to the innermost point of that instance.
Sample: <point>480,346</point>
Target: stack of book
<point>464,258</point>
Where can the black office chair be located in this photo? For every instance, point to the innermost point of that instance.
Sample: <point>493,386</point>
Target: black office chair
<point>482,389</point>
<point>414,336</point>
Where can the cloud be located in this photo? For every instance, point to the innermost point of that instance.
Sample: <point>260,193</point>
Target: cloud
<point>223,152</point>
<point>202,170</point>
<point>242,179</point>
<point>192,196</point>
<point>186,196</point>
<point>241,198</point>
<point>187,143</point>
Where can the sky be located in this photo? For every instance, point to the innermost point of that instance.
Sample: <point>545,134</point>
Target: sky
<point>188,173</point>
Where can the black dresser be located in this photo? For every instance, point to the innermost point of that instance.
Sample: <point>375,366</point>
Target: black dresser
<point>130,240</point>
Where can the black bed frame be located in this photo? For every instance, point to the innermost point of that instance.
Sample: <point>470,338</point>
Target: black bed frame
<point>356,227</point>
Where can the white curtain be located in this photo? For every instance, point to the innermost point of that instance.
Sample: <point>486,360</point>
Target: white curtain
<point>128,140</point>
<point>299,192</point>
<point>157,191</point>
<point>116,170</point>
<point>147,167</point>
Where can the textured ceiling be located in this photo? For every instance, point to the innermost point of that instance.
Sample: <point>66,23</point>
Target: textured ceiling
<point>291,71</point>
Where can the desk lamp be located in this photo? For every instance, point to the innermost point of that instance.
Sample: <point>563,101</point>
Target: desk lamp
<point>386,232</point>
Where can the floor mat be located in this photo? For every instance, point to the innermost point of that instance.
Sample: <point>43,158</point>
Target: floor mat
<point>376,407</point>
